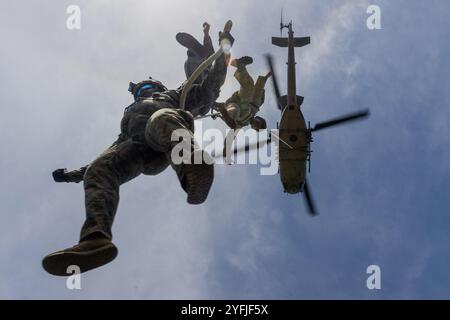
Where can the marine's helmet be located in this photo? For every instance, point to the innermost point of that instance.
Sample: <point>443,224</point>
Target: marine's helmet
<point>146,89</point>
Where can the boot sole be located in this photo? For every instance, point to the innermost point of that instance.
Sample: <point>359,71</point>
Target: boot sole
<point>200,180</point>
<point>57,263</point>
<point>189,42</point>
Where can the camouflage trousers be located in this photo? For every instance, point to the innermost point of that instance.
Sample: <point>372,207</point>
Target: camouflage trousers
<point>245,103</point>
<point>250,91</point>
<point>126,160</point>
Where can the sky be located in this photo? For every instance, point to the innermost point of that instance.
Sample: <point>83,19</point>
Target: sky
<point>381,186</point>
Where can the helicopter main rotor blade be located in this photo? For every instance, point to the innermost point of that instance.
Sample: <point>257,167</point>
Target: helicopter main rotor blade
<point>347,118</point>
<point>259,144</point>
<point>309,200</point>
<point>276,88</point>
<point>248,147</point>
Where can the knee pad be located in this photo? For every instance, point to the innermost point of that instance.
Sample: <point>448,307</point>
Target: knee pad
<point>163,123</point>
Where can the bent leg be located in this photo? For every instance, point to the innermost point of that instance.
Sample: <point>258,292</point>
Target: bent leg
<point>246,82</point>
<point>163,123</point>
<point>195,175</point>
<point>258,95</point>
<point>155,163</point>
<point>102,180</point>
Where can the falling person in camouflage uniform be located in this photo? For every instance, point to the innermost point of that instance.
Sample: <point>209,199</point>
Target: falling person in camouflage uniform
<point>241,108</point>
<point>143,147</point>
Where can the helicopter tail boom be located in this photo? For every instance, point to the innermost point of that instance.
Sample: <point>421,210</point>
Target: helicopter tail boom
<point>283,101</point>
<point>284,42</point>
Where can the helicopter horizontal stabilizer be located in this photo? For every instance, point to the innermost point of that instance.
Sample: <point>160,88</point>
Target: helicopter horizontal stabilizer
<point>284,42</point>
<point>283,101</point>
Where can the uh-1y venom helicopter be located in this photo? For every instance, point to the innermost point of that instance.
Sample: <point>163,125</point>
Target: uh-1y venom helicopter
<point>294,135</point>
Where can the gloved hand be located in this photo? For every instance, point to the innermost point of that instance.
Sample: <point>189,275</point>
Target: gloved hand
<point>226,35</point>
<point>60,175</point>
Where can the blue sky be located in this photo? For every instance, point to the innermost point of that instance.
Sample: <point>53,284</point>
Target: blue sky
<point>381,185</point>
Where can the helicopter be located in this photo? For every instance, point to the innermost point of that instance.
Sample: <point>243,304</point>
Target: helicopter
<point>294,134</point>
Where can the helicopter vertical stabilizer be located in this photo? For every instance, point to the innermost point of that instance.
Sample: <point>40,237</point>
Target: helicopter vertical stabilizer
<point>284,42</point>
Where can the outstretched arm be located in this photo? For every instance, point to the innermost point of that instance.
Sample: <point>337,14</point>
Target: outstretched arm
<point>207,42</point>
<point>201,97</point>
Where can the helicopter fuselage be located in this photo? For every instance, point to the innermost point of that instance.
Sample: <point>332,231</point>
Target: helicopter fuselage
<point>294,135</point>
<point>293,149</point>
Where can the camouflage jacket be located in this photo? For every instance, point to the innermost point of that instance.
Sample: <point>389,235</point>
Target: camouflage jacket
<point>199,101</point>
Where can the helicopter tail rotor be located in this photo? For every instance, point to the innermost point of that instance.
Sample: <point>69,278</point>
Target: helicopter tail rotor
<point>281,23</point>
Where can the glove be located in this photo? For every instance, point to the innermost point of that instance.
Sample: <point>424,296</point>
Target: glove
<point>226,35</point>
<point>60,175</point>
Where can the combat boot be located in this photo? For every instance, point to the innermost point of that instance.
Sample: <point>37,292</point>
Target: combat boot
<point>87,255</point>
<point>241,62</point>
<point>197,179</point>
<point>189,42</point>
